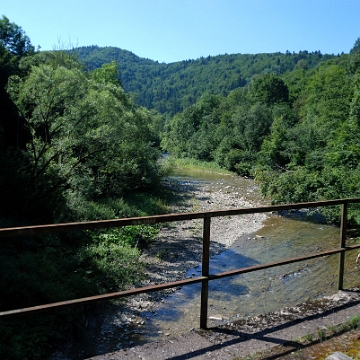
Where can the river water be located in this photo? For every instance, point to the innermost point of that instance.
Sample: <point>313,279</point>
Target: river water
<point>262,291</point>
<point>239,296</point>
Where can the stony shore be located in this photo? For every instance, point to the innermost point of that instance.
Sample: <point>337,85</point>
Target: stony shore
<point>177,249</point>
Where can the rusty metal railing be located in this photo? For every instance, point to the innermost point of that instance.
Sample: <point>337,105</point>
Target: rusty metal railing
<point>205,276</point>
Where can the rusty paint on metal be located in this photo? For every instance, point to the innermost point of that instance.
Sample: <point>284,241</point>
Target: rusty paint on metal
<point>205,273</point>
<point>169,285</point>
<point>280,263</point>
<point>110,296</point>
<point>205,278</point>
<point>344,208</point>
<point>101,224</point>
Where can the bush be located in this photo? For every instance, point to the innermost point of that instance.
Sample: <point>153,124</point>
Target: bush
<point>41,270</point>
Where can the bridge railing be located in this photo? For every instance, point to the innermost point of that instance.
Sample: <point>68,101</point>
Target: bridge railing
<point>205,276</point>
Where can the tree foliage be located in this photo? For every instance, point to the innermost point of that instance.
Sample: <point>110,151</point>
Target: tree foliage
<point>297,133</point>
<point>316,157</point>
<point>270,89</point>
<point>356,48</point>
<point>85,136</point>
<point>228,130</point>
<point>14,46</point>
<point>172,88</point>
<point>14,39</point>
<point>73,147</point>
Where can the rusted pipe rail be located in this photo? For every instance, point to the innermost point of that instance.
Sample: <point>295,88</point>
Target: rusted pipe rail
<point>122,294</point>
<point>148,220</point>
<point>206,276</point>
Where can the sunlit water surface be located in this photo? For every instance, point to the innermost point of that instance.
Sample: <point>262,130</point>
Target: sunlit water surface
<point>243,295</point>
<point>258,292</point>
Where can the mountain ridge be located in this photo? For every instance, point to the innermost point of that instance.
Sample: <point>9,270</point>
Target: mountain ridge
<point>170,88</point>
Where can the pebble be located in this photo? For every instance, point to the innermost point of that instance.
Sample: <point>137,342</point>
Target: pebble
<point>168,271</point>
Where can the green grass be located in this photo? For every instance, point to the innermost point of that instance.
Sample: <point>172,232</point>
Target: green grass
<point>162,253</point>
<point>321,334</point>
<point>354,321</point>
<point>187,163</point>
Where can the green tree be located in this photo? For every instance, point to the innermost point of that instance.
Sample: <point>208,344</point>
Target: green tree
<point>177,131</point>
<point>317,156</point>
<point>85,136</point>
<point>108,73</point>
<point>269,89</point>
<point>14,39</point>
<point>14,45</point>
<point>356,48</point>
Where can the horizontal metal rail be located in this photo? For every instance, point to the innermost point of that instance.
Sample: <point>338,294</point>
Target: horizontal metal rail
<point>110,296</point>
<point>142,290</point>
<point>206,276</point>
<point>146,220</point>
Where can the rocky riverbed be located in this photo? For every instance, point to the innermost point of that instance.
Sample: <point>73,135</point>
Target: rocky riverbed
<point>179,245</point>
<point>177,249</point>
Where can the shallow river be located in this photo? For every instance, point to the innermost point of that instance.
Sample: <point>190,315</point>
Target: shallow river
<point>262,291</point>
<point>238,296</point>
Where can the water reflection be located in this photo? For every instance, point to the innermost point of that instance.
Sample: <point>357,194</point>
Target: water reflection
<point>258,292</point>
<point>243,295</point>
<point>262,291</point>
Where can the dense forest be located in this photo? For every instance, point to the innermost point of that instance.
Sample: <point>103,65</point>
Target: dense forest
<point>171,88</point>
<point>81,132</point>
<point>297,133</point>
<point>288,120</point>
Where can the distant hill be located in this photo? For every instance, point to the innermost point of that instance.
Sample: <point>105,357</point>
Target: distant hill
<point>170,88</point>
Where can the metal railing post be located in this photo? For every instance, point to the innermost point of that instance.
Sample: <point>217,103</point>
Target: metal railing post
<point>342,245</point>
<point>205,272</point>
<point>206,277</point>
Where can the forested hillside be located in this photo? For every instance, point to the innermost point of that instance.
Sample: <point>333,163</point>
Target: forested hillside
<point>171,88</point>
<point>289,120</point>
<point>297,133</point>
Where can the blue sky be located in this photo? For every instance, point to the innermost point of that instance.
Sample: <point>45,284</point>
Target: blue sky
<point>175,30</point>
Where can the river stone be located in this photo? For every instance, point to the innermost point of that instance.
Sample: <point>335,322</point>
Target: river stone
<point>338,356</point>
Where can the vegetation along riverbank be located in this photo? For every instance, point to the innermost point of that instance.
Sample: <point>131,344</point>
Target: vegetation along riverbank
<point>81,132</point>
<point>168,257</point>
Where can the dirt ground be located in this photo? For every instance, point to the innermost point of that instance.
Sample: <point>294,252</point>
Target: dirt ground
<point>288,333</point>
<point>313,330</point>
<point>347,343</point>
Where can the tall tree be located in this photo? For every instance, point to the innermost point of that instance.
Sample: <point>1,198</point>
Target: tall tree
<point>85,136</point>
<point>14,45</point>
<point>270,89</point>
<point>356,48</point>
<point>14,39</point>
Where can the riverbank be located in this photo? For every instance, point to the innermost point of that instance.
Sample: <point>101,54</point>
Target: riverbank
<point>125,325</point>
<point>177,249</point>
<point>313,332</point>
